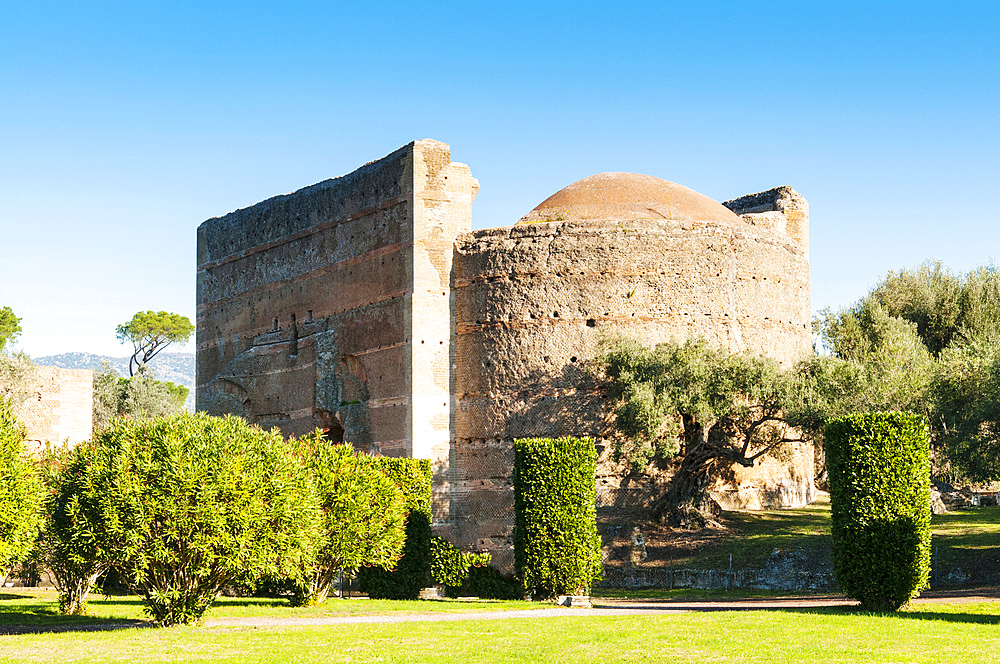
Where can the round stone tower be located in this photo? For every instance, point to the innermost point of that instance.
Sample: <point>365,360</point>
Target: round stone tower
<point>612,254</point>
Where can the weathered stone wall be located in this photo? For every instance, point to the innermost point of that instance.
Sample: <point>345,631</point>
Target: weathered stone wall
<point>534,300</point>
<point>330,307</point>
<point>781,210</point>
<point>784,480</point>
<point>60,410</point>
<point>364,306</point>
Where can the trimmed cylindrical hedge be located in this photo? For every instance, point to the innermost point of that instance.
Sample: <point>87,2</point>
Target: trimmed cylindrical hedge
<point>879,469</point>
<point>413,571</point>
<point>557,549</point>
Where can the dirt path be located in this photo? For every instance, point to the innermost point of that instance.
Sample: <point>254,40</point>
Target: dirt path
<point>609,607</point>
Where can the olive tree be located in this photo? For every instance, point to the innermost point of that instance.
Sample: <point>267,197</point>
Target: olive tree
<point>18,376</point>
<point>705,409</point>
<point>184,505</point>
<point>930,340</point>
<point>364,515</point>
<point>141,396</point>
<point>701,405</point>
<point>967,410</point>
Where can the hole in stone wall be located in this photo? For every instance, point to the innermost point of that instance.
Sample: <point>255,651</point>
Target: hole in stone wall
<point>591,322</point>
<point>555,314</point>
<point>572,359</point>
<point>274,326</point>
<point>335,434</point>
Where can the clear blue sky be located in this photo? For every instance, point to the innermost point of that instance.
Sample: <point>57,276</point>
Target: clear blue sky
<point>125,125</point>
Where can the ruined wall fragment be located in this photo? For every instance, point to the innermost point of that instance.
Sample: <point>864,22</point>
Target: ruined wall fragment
<point>60,408</point>
<point>331,307</point>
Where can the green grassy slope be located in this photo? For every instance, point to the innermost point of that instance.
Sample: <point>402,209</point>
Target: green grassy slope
<point>967,543</point>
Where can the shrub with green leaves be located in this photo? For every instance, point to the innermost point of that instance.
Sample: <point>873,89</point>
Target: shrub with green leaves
<point>466,574</point>
<point>363,515</point>
<point>20,493</point>
<point>879,469</point>
<point>141,396</point>
<point>450,565</point>
<point>557,549</point>
<point>487,582</point>
<point>74,557</point>
<point>187,504</point>
<point>413,571</point>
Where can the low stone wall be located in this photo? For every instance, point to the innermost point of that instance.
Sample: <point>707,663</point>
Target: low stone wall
<point>718,579</point>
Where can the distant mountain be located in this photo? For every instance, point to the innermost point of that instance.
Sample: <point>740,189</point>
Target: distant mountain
<point>173,367</point>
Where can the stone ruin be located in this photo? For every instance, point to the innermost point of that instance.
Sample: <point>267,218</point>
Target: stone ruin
<point>59,409</point>
<point>366,306</point>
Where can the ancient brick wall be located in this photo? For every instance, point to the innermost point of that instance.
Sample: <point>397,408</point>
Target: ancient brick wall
<point>331,307</point>
<point>60,410</point>
<point>364,305</point>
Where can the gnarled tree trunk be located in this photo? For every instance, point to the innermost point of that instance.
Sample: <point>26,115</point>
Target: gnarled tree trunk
<point>687,503</point>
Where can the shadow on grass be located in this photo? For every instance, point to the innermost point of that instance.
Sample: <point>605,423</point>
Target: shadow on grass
<point>943,616</point>
<point>41,623</point>
<point>829,605</point>
<point>43,617</point>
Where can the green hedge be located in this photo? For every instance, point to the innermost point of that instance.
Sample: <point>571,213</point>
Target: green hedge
<point>557,549</point>
<point>486,582</point>
<point>413,571</point>
<point>879,469</point>
<point>450,565</point>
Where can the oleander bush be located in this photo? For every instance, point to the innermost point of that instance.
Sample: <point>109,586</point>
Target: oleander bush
<point>557,549</point>
<point>879,470</point>
<point>74,558</point>
<point>363,515</point>
<point>21,493</point>
<point>413,571</point>
<point>184,505</point>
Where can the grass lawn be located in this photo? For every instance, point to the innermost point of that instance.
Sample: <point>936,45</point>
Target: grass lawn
<point>966,633</point>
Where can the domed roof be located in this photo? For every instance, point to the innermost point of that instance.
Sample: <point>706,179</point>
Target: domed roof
<point>628,197</point>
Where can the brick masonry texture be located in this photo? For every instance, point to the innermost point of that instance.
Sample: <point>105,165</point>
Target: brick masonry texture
<point>60,409</point>
<point>364,305</point>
